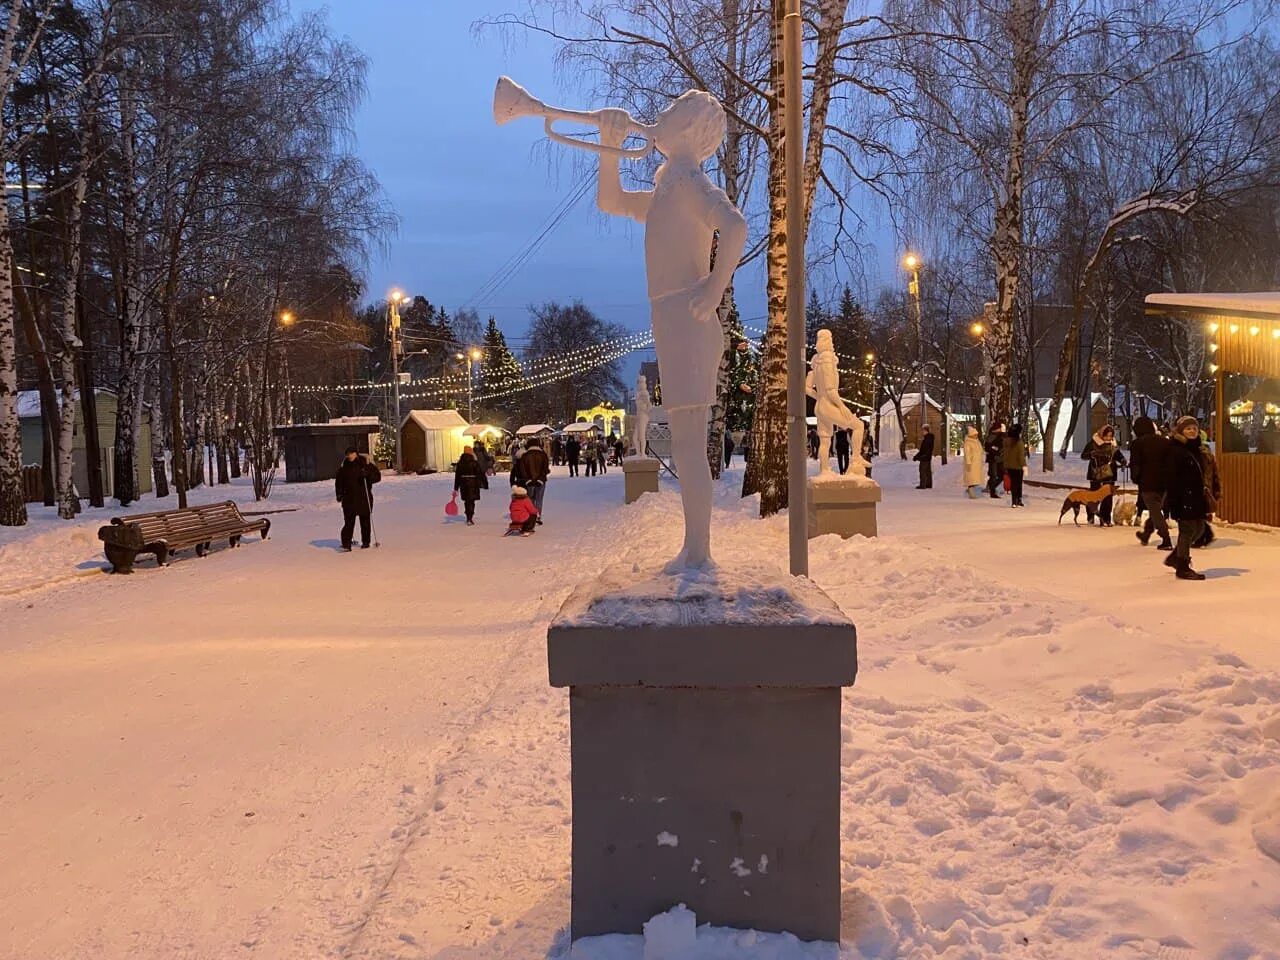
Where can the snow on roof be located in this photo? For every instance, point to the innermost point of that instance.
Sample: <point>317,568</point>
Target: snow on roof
<point>435,419</point>
<point>581,427</point>
<point>909,402</point>
<point>29,401</point>
<point>357,421</point>
<point>529,429</point>
<point>1220,303</point>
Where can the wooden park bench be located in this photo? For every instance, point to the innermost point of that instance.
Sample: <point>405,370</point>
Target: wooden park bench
<point>166,531</point>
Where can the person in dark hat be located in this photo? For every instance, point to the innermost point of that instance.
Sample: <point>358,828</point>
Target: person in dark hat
<point>354,486</point>
<point>1187,494</point>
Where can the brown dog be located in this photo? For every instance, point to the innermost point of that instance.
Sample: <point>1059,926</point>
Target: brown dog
<point>1078,498</point>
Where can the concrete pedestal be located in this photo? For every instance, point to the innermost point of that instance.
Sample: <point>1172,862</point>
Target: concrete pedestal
<point>640,476</point>
<point>844,505</point>
<point>705,724</point>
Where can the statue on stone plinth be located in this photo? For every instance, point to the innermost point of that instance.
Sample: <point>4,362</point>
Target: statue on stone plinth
<point>681,214</point>
<point>640,431</point>
<point>823,384</point>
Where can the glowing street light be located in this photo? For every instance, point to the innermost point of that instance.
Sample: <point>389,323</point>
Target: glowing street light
<point>977,328</point>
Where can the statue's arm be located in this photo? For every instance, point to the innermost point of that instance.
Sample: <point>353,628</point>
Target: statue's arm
<point>721,215</point>
<point>615,126</point>
<point>611,198</point>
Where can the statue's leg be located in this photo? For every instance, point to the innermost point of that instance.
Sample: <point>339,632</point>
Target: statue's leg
<point>824,446</point>
<point>689,350</point>
<point>689,447</point>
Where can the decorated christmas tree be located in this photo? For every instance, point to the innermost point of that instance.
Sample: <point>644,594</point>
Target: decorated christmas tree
<point>500,371</point>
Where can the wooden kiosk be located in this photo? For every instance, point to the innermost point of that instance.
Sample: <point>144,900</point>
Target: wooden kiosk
<point>1243,331</point>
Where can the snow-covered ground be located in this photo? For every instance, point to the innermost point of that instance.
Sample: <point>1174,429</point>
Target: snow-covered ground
<point>1054,749</point>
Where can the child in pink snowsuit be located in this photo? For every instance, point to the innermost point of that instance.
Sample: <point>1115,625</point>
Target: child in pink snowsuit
<point>524,515</point>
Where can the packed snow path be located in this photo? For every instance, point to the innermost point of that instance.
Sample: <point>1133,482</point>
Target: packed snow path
<point>1053,749</point>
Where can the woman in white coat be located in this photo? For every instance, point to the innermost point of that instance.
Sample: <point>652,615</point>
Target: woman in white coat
<point>975,467</point>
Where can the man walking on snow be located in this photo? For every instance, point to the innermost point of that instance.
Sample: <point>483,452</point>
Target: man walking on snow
<point>1147,455</point>
<point>354,487</point>
<point>531,472</point>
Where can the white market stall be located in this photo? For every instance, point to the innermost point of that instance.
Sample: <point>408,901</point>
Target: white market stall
<point>540,430</point>
<point>431,440</point>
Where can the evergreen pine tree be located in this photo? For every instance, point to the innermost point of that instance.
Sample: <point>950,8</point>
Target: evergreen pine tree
<point>744,373</point>
<point>500,371</point>
<point>815,318</point>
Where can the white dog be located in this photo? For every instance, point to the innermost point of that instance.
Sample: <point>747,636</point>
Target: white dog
<point>1125,513</point>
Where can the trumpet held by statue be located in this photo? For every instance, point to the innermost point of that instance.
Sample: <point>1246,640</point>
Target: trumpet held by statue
<point>512,101</point>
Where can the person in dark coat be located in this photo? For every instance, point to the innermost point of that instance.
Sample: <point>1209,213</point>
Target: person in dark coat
<point>868,445</point>
<point>994,449</point>
<point>573,451</point>
<point>589,457</point>
<point>482,455</point>
<point>354,487</point>
<point>469,478</point>
<point>728,448</point>
<point>925,458</point>
<point>532,471</point>
<point>1213,484</point>
<point>1105,460</point>
<point>1186,494</point>
<point>1146,464</point>
<point>602,456</point>
<point>842,450</point>
<point>1014,459</point>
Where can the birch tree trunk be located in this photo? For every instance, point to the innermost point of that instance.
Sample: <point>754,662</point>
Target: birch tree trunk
<point>129,386</point>
<point>767,472</point>
<point>13,506</point>
<point>69,343</point>
<point>1006,245</point>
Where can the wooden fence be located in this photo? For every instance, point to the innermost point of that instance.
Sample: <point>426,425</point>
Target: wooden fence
<point>33,484</point>
<point>1250,488</point>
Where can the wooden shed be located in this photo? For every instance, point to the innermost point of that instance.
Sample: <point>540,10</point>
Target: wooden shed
<point>314,451</point>
<point>431,440</point>
<point>1243,335</point>
<point>32,432</point>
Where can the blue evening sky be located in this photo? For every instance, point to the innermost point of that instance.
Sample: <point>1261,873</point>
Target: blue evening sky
<point>469,194</point>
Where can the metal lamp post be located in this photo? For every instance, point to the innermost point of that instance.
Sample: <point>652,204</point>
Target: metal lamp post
<point>793,157</point>
<point>471,356</point>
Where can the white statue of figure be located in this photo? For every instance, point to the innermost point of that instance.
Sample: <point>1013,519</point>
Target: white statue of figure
<point>681,214</point>
<point>644,406</point>
<point>823,384</point>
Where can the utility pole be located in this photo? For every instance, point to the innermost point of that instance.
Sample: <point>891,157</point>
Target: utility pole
<point>912,263</point>
<point>393,308</point>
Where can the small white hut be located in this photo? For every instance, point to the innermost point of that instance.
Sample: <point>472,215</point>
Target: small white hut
<point>431,440</point>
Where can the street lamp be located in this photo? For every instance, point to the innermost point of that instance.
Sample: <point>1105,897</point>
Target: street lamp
<point>471,356</point>
<point>912,264</point>
<point>393,313</point>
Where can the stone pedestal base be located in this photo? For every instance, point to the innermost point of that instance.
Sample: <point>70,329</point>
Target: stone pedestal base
<point>705,731</point>
<point>640,476</point>
<point>843,505</point>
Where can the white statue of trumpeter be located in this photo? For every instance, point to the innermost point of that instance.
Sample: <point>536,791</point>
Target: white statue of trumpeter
<point>644,406</point>
<point>681,214</point>
<point>823,384</point>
